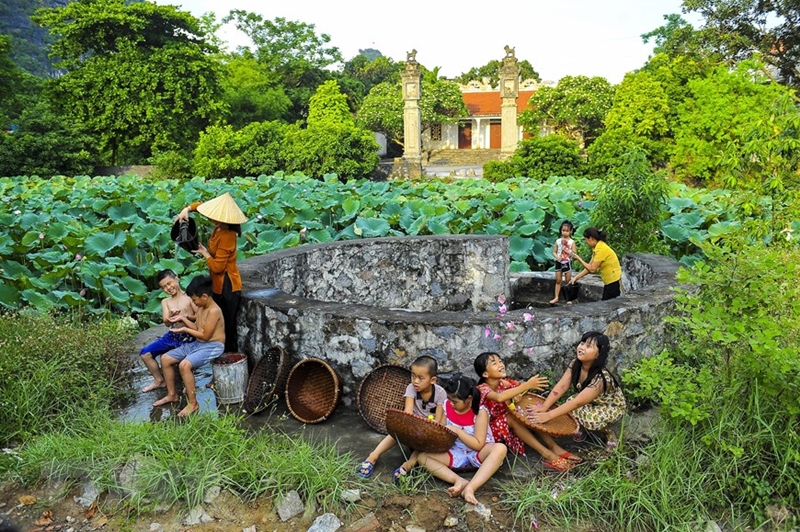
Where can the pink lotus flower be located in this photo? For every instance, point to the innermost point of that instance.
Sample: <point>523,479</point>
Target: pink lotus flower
<point>487,332</point>
<point>501,300</point>
<point>497,336</point>
<point>527,316</point>
<point>41,236</point>
<point>510,324</point>
<point>83,292</point>
<point>503,309</point>
<point>78,256</point>
<point>510,343</point>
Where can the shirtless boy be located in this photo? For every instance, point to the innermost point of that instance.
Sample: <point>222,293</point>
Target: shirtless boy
<point>209,330</point>
<point>177,304</point>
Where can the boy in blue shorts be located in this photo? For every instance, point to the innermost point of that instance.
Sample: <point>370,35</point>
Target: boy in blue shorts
<point>209,331</point>
<point>177,304</point>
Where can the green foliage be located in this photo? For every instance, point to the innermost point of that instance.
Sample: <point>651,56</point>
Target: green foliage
<point>542,157</point>
<point>139,78</point>
<point>290,50</point>
<point>53,366</point>
<point>575,108</point>
<point>491,71</point>
<point>170,165</point>
<point>498,171</point>
<point>382,110</point>
<point>256,149</point>
<point>440,102</point>
<point>328,107</point>
<point>342,149</point>
<point>177,462</point>
<point>734,29</point>
<point>46,144</point>
<point>252,93</point>
<point>370,71</point>
<point>629,206</point>
<point>723,115</point>
<point>637,120</point>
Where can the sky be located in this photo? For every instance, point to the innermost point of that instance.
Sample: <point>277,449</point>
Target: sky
<point>559,38</point>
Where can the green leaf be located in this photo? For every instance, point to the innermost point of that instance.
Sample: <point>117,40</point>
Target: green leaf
<point>373,227</point>
<point>101,243</point>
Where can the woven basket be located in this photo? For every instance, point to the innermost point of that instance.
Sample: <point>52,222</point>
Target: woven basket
<point>313,389</point>
<point>564,425</point>
<point>383,388</point>
<point>266,380</point>
<point>419,433</point>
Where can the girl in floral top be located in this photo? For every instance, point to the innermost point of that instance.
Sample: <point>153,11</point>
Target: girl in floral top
<point>496,391</point>
<point>599,401</point>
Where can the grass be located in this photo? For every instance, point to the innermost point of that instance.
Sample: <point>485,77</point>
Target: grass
<point>731,471</point>
<point>177,462</point>
<point>52,367</point>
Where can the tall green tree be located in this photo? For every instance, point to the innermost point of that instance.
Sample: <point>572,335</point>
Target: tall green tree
<point>441,102</point>
<point>491,72</point>
<point>720,118</point>
<point>139,76</point>
<point>293,51</point>
<point>738,28</point>
<point>638,119</point>
<point>575,108</point>
<point>252,93</point>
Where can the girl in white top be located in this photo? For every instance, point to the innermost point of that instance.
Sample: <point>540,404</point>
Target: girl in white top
<point>563,250</point>
<point>475,446</point>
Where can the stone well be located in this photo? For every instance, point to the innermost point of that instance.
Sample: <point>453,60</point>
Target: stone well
<point>362,303</point>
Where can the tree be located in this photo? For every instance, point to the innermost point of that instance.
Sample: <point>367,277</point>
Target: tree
<point>629,205</point>
<point>252,93</point>
<point>371,71</point>
<point>291,50</point>
<point>491,71</point>
<point>575,108</point>
<point>45,144</point>
<point>256,149</point>
<point>332,142</point>
<point>638,119</point>
<point>139,77</point>
<point>720,117</point>
<point>543,157</point>
<point>738,28</point>
<point>440,102</point>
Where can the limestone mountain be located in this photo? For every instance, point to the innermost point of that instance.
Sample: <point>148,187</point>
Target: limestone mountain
<point>29,41</point>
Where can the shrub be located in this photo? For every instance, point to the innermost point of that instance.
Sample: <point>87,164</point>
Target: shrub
<point>53,367</point>
<point>629,206</point>
<point>543,157</point>
<point>253,150</point>
<point>345,150</point>
<point>498,171</point>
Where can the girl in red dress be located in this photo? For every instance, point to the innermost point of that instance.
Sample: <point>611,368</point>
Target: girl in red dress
<point>496,391</point>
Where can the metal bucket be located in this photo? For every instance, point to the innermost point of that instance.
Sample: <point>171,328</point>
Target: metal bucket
<point>230,377</point>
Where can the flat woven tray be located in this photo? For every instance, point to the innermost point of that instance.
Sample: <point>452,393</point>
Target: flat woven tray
<point>266,380</point>
<point>419,433</point>
<point>381,389</point>
<point>561,426</point>
<point>313,389</point>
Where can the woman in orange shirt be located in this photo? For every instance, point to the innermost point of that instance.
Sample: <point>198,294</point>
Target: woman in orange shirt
<point>220,257</point>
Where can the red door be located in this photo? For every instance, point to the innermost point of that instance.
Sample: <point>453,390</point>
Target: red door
<point>465,135</point>
<point>495,135</point>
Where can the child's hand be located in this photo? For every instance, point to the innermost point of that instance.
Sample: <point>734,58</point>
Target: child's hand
<point>536,383</point>
<point>541,417</point>
<point>175,318</point>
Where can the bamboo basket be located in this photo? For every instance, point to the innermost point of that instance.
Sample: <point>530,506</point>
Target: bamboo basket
<point>561,426</point>
<point>419,433</point>
<point>381,389</point>
<point>313,390</point>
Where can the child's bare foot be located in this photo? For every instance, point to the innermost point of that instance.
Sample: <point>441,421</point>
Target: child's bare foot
<point>153,386</point>
<point>166,399</point>
<point>554,301</point>
<point>469,495</point>
<point>189,409</point>
<point>457,488</point>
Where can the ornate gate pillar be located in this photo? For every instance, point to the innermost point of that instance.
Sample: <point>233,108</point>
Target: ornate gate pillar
<point>509,91</point>
<point>412,147</point>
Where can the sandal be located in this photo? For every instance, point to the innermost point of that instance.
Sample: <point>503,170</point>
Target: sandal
<point>579,436</point>
<point>571,457</point>
<point>559,464</point>
<point>398,474</point>
<point>611,445</point>
<point>365,469</point>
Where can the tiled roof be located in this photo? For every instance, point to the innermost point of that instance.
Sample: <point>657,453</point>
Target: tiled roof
<point>488,103</point>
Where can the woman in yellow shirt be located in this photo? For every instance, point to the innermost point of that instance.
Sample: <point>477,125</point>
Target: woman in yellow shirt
<point>604,260</point>
<point>220,255</point>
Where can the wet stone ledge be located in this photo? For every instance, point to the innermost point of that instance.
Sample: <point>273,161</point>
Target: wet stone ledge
<point>360,304</point>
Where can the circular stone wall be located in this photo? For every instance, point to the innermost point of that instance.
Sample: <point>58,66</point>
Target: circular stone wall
<point>362,303</point>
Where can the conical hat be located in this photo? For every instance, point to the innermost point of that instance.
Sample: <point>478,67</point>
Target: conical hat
<point>222,209</point>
